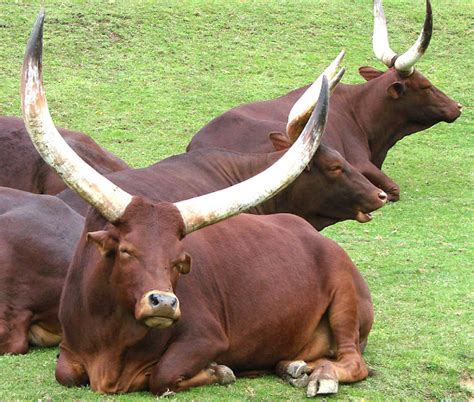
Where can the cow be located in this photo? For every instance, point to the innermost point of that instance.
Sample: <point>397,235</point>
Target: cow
<point>365,120</point>
<point>37,241</point>
<point>241,309</point>
<point>22,168</point>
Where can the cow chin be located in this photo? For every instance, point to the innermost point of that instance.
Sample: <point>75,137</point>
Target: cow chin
<point>363,217</point>
<point>158,322</point>
<point>452,117</point>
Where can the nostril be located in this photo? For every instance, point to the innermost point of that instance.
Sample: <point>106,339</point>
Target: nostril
<point>383,196</point>
<point>174,302</point>
<point>154,300</point>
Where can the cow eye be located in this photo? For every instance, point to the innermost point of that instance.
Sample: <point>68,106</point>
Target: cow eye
<point>335,168</point>
<point>425,85</point>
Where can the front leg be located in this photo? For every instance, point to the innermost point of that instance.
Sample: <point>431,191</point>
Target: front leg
<point>190,363</point>
<point>381,180</point>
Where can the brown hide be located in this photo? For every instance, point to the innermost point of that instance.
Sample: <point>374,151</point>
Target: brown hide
<point>261,291</point>
<point>329,192</point>
<point>364,122</point>
<point>21,166</point>
<point>37,241</point>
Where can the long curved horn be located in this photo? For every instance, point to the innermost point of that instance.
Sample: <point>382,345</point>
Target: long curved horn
<point>405,62</point>
<point>214,207</point>
<point>380,44</point>
<point>94,188</point>
<point>301,110</point>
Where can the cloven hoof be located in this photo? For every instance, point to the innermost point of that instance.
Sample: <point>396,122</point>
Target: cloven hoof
<point>322,386</point>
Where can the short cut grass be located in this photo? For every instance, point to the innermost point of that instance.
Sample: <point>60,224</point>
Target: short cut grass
<point>142,76</point>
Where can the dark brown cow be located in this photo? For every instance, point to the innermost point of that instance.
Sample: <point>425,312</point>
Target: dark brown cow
<point>37,240</point>
<point>241,308</point>
<point>22,168</point>
<point>365,120</point>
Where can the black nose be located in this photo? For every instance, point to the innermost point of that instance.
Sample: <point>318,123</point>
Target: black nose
<point>157,299</point>
<point>154,299</point>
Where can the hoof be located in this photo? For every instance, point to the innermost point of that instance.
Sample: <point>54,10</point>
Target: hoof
<point>322,386</point>
<point>299,382</point>
<point>297,368</point>
<point>168,394</point>
<point>296,374</point>
<point>225,375</point>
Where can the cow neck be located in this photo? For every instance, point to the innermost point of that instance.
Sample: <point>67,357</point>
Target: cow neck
<point>374,115</point>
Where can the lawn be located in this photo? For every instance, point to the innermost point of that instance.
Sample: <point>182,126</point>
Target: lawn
<point>142,76</point>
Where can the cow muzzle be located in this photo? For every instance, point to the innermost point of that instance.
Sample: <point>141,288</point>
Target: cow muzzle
<point>380,199</point>
<point>453,113</point>
<point>158,309</point>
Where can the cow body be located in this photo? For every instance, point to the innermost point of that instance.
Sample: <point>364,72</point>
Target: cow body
<point>364,121</point>
<point>319,195</point>
<point>243,270</point>
<point>37,242</point>
<point>21,166</point>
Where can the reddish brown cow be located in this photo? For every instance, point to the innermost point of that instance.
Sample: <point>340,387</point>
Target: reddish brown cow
<point>37,240</point>
<point>264,293</point>
<point>22,168</point>
<point>365,120</point>
<point>126,269</point>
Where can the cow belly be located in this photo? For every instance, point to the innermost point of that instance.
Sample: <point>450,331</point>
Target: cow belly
<point>282,329</point>
<point>304,342</point>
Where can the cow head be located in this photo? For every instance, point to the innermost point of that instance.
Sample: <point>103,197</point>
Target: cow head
<point>410,93</point>
<point>414,96</point>
<point>333,185</point>
<point>143,257</point>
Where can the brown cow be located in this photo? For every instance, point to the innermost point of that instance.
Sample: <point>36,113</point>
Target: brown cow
<point>37,240</point>
<point>125,272</point>
<point>365,120</point>
<point>264,293</point>
<point>22,168</point>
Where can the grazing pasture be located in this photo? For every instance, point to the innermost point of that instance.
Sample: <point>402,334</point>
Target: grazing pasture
<point>142,76</point>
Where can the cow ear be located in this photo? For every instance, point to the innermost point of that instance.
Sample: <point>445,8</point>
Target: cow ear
<point>396,90</point>
<point>279,140</point>
<point>369,73</point>
<point>105,243</point>
<point>184,266</point>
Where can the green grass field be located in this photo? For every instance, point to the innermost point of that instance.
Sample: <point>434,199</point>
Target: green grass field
<point>142,76</point>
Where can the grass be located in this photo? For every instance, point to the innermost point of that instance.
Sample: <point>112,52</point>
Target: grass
<point>142,76</point>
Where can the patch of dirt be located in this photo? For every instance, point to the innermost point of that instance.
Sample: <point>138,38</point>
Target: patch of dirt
<point>467,383</point>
